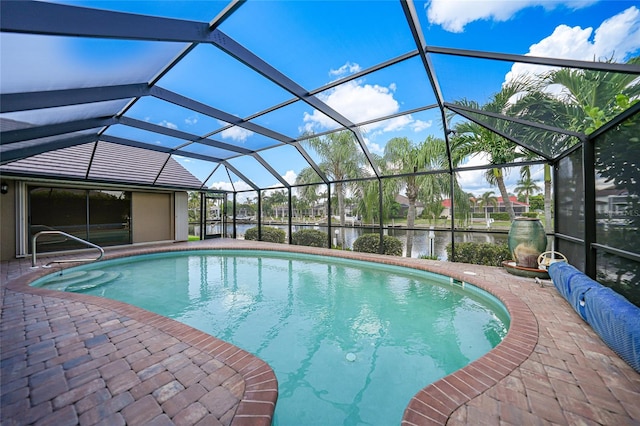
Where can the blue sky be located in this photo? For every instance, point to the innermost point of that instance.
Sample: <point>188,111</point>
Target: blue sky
<point>315,43</point>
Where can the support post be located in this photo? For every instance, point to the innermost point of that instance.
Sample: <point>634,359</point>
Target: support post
<point>380,217</point>
<point>589,182</point>
<point>289,204</point>
<point>329,215</point>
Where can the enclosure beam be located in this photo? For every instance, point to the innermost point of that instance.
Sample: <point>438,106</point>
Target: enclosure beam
<point>183,101</point>
<point>34,17</point>
<point>12,102</point>
<point>380,217</point>
<point>418,36</point>
<point>456,107</point>
<point>37,132</point>
<point>158,148</point>
<point>329,230</point>
<point>289,208</point>
<point>271,170</point>
<point>17,153</point>
<point>589,179</point>
<point>235,214</point>
<point>538,60</point>
<point>259,215</point>
<point>240,53</point>
<point>145,125</point>
<point>241,176</point>
<point>501,133</point>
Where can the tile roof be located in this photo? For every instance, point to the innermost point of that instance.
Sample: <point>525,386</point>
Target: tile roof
<point>104,161</point>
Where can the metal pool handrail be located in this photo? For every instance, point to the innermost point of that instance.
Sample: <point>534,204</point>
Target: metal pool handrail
<point>73,237</point>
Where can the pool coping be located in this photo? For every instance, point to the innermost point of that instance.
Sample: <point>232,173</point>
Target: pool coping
<point>434,404</point>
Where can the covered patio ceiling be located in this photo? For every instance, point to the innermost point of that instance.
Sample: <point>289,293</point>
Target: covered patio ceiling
<point>232,90</point>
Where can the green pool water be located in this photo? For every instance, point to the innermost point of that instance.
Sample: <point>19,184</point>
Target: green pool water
<point>350,342</point>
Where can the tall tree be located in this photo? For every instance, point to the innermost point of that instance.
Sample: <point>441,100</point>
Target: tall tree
<point>526,186</point>
<point>367,193</point>
<point>308,191</point>
<point>577,100</point>
<point>472,138</point>
<point>341,159</point>
<point>273,200</point>
<point>193,203</point>
<point>589,98</point>
<point>487,199</point>
<point>406,158</point>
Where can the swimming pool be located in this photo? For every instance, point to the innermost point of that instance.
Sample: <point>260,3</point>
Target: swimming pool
<point>350,342</point>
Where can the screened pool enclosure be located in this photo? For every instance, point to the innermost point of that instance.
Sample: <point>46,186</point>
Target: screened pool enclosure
<point>405,118</point>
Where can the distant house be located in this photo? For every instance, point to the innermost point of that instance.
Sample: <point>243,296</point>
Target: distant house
<point>614,206</point>
<point>518,207</point>
<point>404,205</point>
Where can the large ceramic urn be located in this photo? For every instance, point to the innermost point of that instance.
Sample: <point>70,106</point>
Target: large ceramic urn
<point>526,241</point>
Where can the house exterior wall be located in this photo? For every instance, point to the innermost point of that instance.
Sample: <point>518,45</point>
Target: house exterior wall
<point>152,217</point>
<point>8,223</point>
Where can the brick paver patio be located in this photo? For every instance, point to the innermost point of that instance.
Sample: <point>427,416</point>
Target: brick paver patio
<point>68,358</point>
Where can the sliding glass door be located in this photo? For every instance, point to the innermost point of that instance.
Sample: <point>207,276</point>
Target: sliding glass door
<point>99,216</point>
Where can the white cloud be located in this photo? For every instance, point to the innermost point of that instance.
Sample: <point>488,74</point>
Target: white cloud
<point>617,37</point>
<point>290,176</point>
<point>347,69</point>
<point>237,134</point>
<point>473,180</point>
<point>226,185</point>
<point>190,121</point>
<point>373,147</point>
<point>168,124</point>
<point>454,15</point>
<point>359,102</point>
<point>420,125</point>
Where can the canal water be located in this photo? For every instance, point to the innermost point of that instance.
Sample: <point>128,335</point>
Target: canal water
<point>421,240</point>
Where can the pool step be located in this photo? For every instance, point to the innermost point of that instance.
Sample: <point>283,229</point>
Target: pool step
<point>80,280</point>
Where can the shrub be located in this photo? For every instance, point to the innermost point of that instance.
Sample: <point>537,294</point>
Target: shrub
<point>310,238</point>
<point>503,216</point>
<point>533,215</point>
<point>269,234</point>
<point>370,243</point>
<point>480,253</point>
<point>428,257</point>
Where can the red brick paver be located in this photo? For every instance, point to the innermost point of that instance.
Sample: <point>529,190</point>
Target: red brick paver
<point>69,358</point>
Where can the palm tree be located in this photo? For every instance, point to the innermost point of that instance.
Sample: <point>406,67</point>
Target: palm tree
<point>472,138</point>
<point>299,206</point>
<point>526,185</point>
<point>405,158</point>
<point>367,193</point>
<point>341,160</point>
<point>590,98</point>
<point>274,200</point>
<point>485,201</point>
<point>307,193</point>
<point>194,206</point>
<point>587,100</point>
